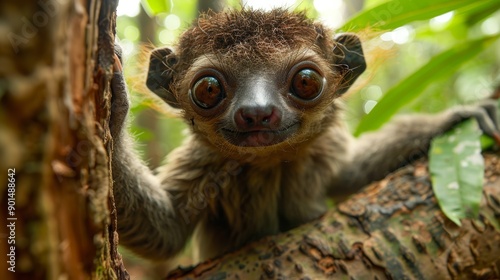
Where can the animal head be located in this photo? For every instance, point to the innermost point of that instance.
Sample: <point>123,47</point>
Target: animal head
<point>256,80</point>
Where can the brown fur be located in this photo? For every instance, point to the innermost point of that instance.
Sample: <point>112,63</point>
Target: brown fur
<point>250,34</point>
<point>226,195</point>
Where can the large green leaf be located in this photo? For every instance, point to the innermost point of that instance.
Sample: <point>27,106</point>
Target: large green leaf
<point>442,65</point>
<point>154,7</point>
<point>457,171</point>
<point>392,14</point>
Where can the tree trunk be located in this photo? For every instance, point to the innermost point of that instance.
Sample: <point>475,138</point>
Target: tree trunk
<point>56,62</point>
<point>392,230</point>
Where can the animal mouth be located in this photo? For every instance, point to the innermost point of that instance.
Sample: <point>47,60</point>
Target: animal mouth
<point>259,137</point>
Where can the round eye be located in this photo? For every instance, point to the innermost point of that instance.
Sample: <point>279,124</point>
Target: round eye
<point>307,84</point>
<point>207,92</point>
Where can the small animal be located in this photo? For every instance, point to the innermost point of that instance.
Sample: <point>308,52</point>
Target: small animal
<point>260,93</point>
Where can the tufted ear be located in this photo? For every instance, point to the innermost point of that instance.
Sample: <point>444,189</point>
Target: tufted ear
<point>349,59</point>
<point>160,74</point>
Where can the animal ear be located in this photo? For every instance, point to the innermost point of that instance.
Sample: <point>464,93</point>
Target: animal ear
<point>160,74</point>
<point>349,59</point>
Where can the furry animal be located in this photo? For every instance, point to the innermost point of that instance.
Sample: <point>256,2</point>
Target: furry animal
<point>259,91</point>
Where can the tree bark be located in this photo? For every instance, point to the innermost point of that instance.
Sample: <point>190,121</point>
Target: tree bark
<point>54,142</point>
<point>391,230</point>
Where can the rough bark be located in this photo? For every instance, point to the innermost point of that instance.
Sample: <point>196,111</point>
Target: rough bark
<point>56,61</point>
<point>392,230</point>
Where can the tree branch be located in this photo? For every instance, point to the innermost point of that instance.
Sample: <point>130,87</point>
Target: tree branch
<point>393,229</point>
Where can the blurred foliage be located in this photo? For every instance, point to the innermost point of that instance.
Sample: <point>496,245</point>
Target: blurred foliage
<point>443,65</point>
<point>392,14</point>
<point>461,16</point>
<point>401,38</point>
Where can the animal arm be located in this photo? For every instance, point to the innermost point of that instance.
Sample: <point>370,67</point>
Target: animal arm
<point>148,216</point>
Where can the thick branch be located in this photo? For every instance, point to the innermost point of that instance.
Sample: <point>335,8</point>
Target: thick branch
<point>393,229</point>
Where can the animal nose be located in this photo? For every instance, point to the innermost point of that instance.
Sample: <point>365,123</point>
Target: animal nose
<point>257,118</point>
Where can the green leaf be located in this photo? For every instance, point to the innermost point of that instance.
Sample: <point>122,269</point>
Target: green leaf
<point>457,171</point>
<point>442,65</point>
<point>154,7</point>
<point>478,11</point>
<point>392,14</point>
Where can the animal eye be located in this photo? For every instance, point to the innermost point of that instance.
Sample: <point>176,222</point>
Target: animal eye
<point>207,92</point>
<point>307,84</point>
